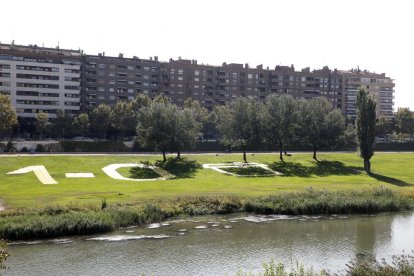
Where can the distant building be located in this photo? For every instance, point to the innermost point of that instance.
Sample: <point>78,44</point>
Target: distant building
<point>49,79</point>
<point>378,85</point>
<point>40,79</point>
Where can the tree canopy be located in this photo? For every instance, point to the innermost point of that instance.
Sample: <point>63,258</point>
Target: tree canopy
<point>8,116</point>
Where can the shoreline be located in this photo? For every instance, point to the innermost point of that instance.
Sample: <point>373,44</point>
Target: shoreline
<point>65,221</point>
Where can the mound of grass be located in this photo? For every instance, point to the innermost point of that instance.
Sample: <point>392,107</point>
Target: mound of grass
<point>249,171</point>
<point>143,173</point>
<point>180,167</point>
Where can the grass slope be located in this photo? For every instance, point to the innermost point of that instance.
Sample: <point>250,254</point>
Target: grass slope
<point>338,171</point>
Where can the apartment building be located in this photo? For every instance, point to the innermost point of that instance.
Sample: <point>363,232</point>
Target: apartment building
<point>378,85</point>
<point>49,79</point>
<point>111,79</point>
<point>40,79</point>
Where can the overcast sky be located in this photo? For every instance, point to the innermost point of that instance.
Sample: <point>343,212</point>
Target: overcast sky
<point>374,35</point>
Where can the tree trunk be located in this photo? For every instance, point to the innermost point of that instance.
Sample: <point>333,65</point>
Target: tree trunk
<point>281,152</point>
<point>244,156</point>
<point>163,156</point>
<point>367,165</point>
<point>285,152</point>
<point>178,155</point>
<point>314,154</point>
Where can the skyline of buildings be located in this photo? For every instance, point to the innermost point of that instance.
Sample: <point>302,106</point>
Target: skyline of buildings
<point>52,79</point>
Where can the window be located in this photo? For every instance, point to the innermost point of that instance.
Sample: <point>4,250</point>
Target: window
<point>101,66</point>
<point>196,73</point>
<point>180,71</point>
<point>101,89</point>
<point>131,67</point>
<point>180,78</point>
<point>196,79</point>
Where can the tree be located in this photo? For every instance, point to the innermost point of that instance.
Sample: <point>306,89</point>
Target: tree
<point>100,119</point>
<point>3,254</point>
<point>8,116</point>
<point>62,124</point>
<point>241,124</point>
<point>405,122</point>
<point>365,127</point>
<point>321,124</point>
<point>122,118</point>
<point>186,131</point>
<point>140,101</point>
<point>281,121</point>
<point>156,126</point>
<point>383,126</point>
<point>42,118</point>
<point>82,123</point>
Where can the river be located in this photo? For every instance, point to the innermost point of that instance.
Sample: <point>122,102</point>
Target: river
<point>218,245</point>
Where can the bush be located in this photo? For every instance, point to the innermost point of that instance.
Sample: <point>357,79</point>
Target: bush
<point>40,148</point>
<point>95,146</point>
<point>24,149</point>
<point>3,254</point>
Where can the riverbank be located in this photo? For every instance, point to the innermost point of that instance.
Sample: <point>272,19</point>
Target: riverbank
<point>58,221</point>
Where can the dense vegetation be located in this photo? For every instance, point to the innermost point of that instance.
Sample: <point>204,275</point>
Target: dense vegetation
<point>55,221</point>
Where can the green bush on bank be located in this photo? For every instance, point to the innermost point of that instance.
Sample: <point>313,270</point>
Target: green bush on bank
<point>401,265</point>
<point>58,221</point>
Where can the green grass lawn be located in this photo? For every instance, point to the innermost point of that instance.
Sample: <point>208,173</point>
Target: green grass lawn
<point>338,171</point>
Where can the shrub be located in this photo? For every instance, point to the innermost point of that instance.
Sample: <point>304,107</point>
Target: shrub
<point>40,148</point>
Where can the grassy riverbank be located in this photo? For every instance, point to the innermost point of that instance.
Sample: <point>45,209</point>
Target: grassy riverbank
<point>335,172</point>
<point>101,204</point>
<point>76,220</point>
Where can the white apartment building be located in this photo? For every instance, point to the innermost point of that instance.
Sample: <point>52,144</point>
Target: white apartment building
<point>40,79</point>
<point>378,85</point>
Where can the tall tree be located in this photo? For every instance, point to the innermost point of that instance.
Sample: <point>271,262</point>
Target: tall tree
<point>140,101</point>
<point>241,124</point>
<point>82,123</point>
<point>101,119</point>
<point>365,127</point>
<point>122,118</point>
<point>8,116</point>
<point>281,121</point>
<point>42,118</point>
<point>321,124</point>
<point>156,126</point>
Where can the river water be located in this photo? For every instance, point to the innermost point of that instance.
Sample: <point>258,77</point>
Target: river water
<point>219,245</point>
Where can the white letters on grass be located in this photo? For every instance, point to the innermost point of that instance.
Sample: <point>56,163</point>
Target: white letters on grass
<point>219,167</point>
<point>112,172</point>
<point>40,171</point>
<point>79,175</point>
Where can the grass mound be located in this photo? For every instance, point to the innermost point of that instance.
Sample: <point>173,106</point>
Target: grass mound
<point>143,173</point>
<point>180,167</point>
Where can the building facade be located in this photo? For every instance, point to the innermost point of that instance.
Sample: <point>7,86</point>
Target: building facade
<point>40,79</point>
<point>54,79</point>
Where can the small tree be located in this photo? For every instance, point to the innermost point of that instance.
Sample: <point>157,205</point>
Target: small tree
<point>82,123</point>
<point>156,126</point>
<point>42,119</point>
<point>8,116</point>
<point>365,127</point>
<point>187,130</point>
<point>62,124</point>
<point>100,119</point>
<point>405,122</point>
<point>122,118</point>
<point>241,124</point>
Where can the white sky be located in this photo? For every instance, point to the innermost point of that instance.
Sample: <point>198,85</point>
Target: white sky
<point>375,35</point>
